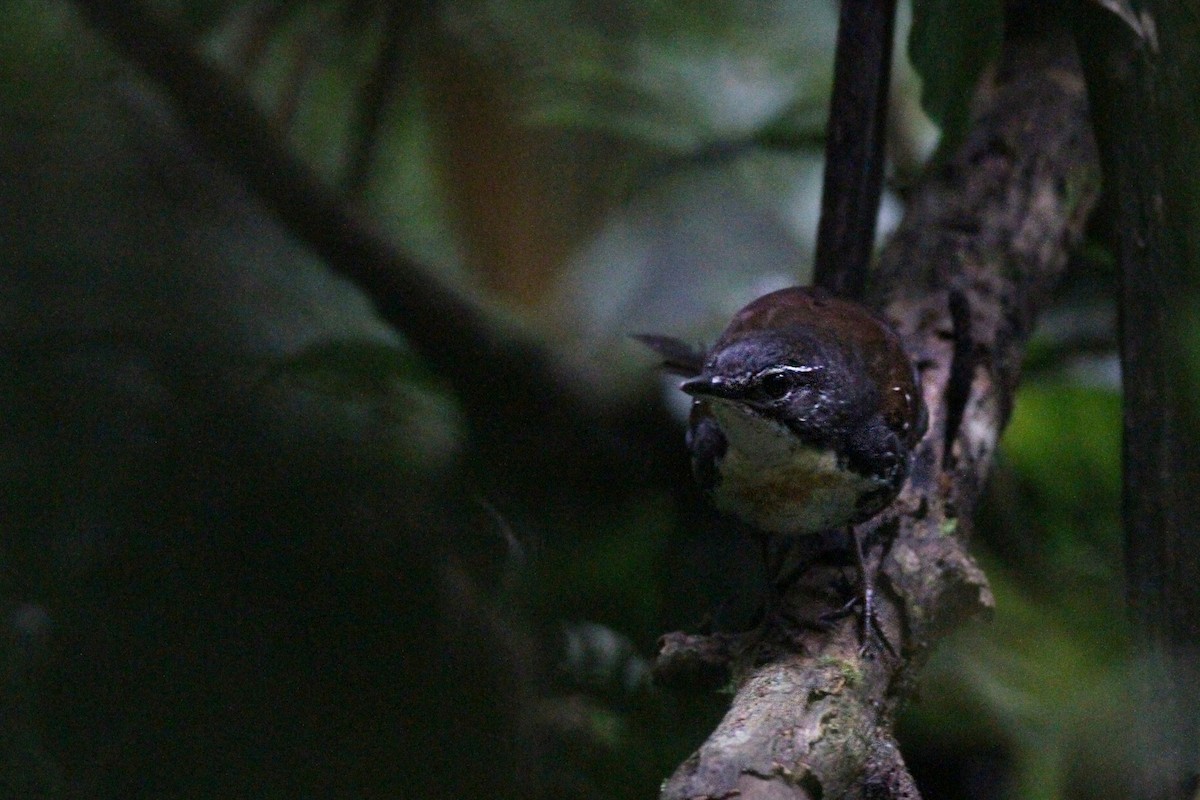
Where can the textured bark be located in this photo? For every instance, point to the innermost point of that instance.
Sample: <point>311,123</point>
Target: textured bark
<point>981,246</point>
<point>983,241</point>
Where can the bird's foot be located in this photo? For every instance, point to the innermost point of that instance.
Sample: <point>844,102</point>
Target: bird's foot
<point>864,600</point>
<point>869,630</point>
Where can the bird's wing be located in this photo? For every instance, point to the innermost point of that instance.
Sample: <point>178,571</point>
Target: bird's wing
<point>678,356</point>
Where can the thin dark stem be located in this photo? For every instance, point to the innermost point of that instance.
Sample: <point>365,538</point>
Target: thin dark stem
<point>229,125</point>
<point>1145,119</point>
<point>377,92</point>
<point>854,150</point>
<point>1021,184</point>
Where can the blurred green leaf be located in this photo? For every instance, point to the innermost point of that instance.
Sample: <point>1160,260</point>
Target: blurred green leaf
<point>1066,439</point>
<point>951,43</point>
<point>608,571</point>
<point>671,76</point>
<point>353,366</point>
<point>410,413</point>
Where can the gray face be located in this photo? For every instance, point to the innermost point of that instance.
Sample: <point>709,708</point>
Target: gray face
<point>817,388</point>
<point>788,435</point>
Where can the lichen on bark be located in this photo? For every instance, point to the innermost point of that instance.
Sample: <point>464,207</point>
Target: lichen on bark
<point>983,241</point>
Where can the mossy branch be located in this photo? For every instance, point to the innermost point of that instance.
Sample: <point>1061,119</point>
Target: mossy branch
<point>983,242</point>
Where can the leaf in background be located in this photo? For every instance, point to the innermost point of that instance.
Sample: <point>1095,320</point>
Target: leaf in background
<point>381,388</point>
<point>1124,11</point>
<point>951,43</point>
<point>674,76</point>
<point>1064,441</point>
<point>353,367</point>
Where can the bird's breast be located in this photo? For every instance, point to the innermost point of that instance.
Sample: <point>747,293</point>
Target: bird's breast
<point>771,479</point>
<point>808,493</point>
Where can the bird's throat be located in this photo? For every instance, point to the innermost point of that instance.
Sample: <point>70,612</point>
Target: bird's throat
<point>777,482</point>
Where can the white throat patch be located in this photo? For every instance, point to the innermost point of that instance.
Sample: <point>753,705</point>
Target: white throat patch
<point>777,483</point>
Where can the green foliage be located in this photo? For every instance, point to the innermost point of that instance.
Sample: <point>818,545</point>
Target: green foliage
<point>1041,681</point>
<point>673,77</point>
<point>382,388</point>
<point>609,575</point>
<point>1066,439</point>
<point>237,397</point>
<point>951,43</point>
<point>353,367</point>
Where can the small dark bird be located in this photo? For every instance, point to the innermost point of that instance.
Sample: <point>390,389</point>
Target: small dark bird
<point>804,416</point>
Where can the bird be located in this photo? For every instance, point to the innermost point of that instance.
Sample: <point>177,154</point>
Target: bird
<point>804,416</point>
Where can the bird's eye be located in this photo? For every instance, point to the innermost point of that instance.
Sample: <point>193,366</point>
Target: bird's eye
<point>775,385</point>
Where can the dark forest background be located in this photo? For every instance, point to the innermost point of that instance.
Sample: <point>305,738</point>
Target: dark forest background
<point>254,543</point>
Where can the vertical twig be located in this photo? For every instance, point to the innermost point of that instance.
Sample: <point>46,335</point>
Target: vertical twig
<point>811,714</point>
<point>260,26</point>
<point>854,146</point>
<point>377,92</point>
<point>1137,68</point>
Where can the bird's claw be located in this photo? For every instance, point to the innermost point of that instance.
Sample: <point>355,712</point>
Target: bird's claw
<point>869,625</point>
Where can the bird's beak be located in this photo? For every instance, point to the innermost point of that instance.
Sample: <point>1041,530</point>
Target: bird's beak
<point>717,386</point>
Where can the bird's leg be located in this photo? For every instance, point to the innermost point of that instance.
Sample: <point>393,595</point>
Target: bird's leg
<point>773,565</point>
<point>865,599</point>
<point>867,593</point>
<point>781,572</point>
<point>774,556</point>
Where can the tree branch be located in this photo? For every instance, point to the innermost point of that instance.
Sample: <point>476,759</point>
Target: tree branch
<point>511,387</point>
<point>982,243</point>
<point>434,317</point>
